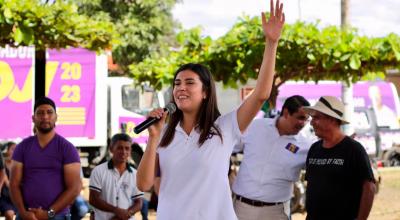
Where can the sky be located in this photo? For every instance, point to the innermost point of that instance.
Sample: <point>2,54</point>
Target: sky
<point>371,17</point>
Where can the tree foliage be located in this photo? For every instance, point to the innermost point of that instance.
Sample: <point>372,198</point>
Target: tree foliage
<point>158,70</point>
<point>145,27</point>
<point>57,25</point>
<point>305,52</point>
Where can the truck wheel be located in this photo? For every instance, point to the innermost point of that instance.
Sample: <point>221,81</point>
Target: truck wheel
<point>392,157</point>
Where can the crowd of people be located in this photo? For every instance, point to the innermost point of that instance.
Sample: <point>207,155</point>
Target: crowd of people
<point>186,160</point>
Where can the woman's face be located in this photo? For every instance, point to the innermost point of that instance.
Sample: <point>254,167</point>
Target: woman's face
<point>188,91</point>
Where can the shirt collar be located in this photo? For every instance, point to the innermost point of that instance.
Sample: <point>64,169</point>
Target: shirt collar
<point>110,166</point>
<point>180,129</point>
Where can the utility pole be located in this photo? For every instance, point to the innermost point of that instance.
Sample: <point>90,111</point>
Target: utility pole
<point>299,8</point>
<point>347,89</point>
<point>344,12</point>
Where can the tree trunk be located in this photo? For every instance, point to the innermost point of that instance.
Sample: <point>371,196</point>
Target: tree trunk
<point>344,9</point>
<point>347,89</point>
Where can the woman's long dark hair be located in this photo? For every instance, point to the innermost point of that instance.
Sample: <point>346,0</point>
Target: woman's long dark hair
<point>208,112</point>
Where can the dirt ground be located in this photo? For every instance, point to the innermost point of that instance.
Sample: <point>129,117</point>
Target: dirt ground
<point>386,204</point>
<point>387,201</point>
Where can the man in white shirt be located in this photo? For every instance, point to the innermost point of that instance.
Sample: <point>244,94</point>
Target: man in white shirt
<point>113,191</point>
<point>274,152</point>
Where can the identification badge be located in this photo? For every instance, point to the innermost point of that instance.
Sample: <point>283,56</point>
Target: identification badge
<point>292,148</point>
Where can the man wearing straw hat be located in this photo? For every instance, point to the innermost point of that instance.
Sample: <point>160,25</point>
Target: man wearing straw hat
<point>340,182</point>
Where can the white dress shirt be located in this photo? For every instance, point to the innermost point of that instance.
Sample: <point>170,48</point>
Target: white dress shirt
<point>194,180</point>
<point>271,162</point>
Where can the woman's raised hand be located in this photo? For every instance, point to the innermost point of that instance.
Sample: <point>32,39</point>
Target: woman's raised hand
<point>273,27</point>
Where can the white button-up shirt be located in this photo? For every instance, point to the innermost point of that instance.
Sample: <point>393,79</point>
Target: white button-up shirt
<point>117,190</point>
<point>271,162</point>
<point>194,180</point>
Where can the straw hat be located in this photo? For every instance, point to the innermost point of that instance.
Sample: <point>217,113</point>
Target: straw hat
<point>329,105</point>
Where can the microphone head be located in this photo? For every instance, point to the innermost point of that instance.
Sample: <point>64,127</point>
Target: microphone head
<point>170,107</point>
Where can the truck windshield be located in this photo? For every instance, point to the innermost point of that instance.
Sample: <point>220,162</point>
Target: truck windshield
<point>135,100</point>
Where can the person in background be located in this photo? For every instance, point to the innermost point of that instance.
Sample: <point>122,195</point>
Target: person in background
<point>385,116</point>
<point>44,178</point>
<point>137,154</point>
<point>6,206</point>
<point>274,152</point>
<point>79,208</point>
<point>113,192</point>
<point>340,181</point>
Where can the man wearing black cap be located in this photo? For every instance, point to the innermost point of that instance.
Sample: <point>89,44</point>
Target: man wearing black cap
<point>45,172</point>
<point>340,182</point>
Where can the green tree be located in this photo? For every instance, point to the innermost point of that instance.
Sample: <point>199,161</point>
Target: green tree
<point>306,52</point>
<point>145,27</point>
<point>157,70</point>
<point>57,25</point>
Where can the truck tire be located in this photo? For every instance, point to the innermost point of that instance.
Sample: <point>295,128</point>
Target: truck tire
<point>392,157</point>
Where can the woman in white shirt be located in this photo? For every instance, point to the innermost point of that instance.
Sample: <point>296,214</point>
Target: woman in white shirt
<point>191,153</point>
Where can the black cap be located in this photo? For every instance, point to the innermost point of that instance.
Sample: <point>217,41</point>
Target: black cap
<point>44,101</point>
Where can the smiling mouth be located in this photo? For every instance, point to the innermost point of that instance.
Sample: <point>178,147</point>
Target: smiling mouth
<point>182,97</point>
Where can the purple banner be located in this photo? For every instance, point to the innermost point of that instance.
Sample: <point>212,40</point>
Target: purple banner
<point>72,78</point>
<point>363,93</point>
<point>70,82</point>
<point>16,92</point>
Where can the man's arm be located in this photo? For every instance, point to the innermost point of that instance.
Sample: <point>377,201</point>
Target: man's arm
<point>96,201</point>
<point>157,183</point>
<point>137,206</point>
<point>367,198</point>
<point>3,177</point>
<point>73,186</point>
<point>16,195</point>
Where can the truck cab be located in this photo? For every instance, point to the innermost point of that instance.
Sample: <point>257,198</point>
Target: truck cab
<point>381,142</point>
<point>127,106</point>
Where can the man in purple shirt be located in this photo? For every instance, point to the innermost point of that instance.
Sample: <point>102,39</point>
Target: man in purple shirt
<point>45,169</point>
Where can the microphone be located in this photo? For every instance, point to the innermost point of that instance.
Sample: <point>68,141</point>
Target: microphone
<point>170,108</point>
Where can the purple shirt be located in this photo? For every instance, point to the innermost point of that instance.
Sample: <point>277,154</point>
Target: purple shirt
<point>43,177</point>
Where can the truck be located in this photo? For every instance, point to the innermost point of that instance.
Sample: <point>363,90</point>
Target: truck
<point>91,106</point>
<point>382,140</point>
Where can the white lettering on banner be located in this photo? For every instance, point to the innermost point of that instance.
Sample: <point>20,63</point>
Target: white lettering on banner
<point>325,161</point>
<point>16,52</point>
